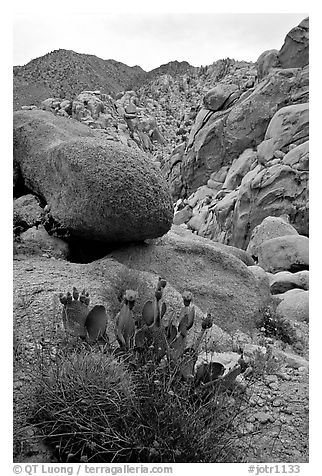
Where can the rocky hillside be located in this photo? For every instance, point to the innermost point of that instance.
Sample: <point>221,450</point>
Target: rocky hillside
<point>246,156</point>
<point>65,73</point>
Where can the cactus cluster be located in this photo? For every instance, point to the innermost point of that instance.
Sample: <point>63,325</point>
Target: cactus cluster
<point>146,338</point>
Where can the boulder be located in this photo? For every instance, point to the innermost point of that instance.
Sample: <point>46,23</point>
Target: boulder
<point>267,61</point>
<point>97,189</point>
<point>270,191</point>
<point>270,227</point>
<point>294,306</point>
<point>218,280</point>
<point>285,253</point>
<point>200,194</point>
<point>221,212</point>
<point>263,283</point>
<point>295,50</point>
<point>284,281</point>
<point>91,102</point>
<point>26,211</point>
<point>36,240</point>
<point>51,104</point>
<point>221,175</point>
<point>216,186</point>
<point>198,221</point>
<point>42,279</point>
<point>216,98</point>
<point>298,157</point>
<point>66,106</point>
<point>240,254</point>
<point>183,216</point>
<point>289,125</point>
<point>239,168</point>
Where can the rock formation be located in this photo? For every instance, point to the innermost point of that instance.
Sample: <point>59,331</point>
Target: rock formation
<point>97,189</point>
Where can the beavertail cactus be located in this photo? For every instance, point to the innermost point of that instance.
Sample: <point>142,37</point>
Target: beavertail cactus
<point>187,314</point>
<point>171,331</point>
<point>75,312</point>
<point>186,320</point>
<point>96,323</point>
<point>78,320</point>
<point>124,325</point>
<point>152,314</point>
<point>189,355</point>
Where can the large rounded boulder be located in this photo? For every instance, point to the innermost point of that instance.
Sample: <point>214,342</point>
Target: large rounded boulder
<point>97,189</point>
<point>267,61</point>
<point>271,227</point>
<point>290,125</point>
<point>278,189</point>
<point>294,306</point>
<point>219,281</point>
<point>285,253</point>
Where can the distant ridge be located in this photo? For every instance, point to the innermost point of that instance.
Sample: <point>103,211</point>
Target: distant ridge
<point>65,73</point>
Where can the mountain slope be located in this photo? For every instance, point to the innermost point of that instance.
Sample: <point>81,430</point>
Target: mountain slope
<point>65,73</point>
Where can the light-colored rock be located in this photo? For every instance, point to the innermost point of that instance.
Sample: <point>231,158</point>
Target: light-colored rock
<point>217,138</point>
<point>267,61</point>
<point>284,281</point>
<point>216,186</point>
<point>285,253</point>
<point>294,306</point>
<point>91,102</point>
<point>288,359</point>
<point>36,240</point>
<point>216,98</point>
<point>183,216</point>
<point>263,283</point>
<point>218,281</point>
<point>200,194</point>
<point>238,253</point>
<point>239,168</point>
<point>271,191</point>
<point>198,221</point>
<point>26,211</point>
<point>51,104</point>
<point>298,157</point>
<point>290,123</point>
<point>270,227</point>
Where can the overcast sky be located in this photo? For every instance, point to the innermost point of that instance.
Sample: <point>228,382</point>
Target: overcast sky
<point>150,40</point>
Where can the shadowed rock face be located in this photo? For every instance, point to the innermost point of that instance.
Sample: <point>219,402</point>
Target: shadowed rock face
<point>95,188</point>
<point>295,50</point>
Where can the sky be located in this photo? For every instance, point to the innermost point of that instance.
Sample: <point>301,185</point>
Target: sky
<point>152,38</point>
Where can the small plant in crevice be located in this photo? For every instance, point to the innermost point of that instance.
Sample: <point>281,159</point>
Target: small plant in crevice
<point>274,325</point>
